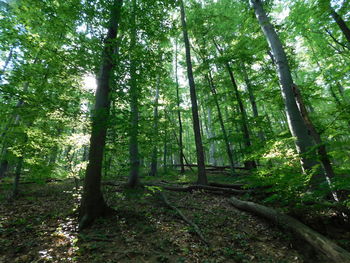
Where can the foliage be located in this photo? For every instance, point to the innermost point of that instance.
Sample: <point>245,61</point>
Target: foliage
<point>50,54</point>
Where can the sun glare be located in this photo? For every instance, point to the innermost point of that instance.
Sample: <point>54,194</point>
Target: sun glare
<point>89,83</point>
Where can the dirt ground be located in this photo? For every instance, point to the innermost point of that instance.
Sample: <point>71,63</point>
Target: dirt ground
<point>41,226</point>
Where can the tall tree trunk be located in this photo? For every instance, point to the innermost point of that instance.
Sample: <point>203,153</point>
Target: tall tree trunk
<point>165,151</point>
<point>153,170</point>
<point>268,120</point>
<point>92,203</point>
<point>134,117</point>
<point>339,103</point>
<point>303,141</point>
<point>340,22</point>
<point>7,61</point>
<point>14,120</point>
<point>250,164</point>
<point>221,121</point>
<point>244,122</point>
<point>53,156</point>
<point>181,150</point>
<point>236,151</point>
<point>4,164</point>
<point>202,177</point>
<point>17,177</point>
<point>252,100</point>
<point>321,148</point>
<point>211,136</point>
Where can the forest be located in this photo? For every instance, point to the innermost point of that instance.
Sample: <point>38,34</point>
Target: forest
<point>174,131</point>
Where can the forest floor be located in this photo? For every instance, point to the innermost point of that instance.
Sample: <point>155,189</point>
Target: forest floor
<point>41,226</point>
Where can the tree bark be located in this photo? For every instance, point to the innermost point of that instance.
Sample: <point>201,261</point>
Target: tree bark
<point>134,116</point>
<point>303,141</point>
<point>153,170</point>
<point>250,164</point>
<point>181,151</point>
<point>247,142</point>
<point>211,136</point>
<point>316,240</point>
<point>321,148</point>
<point>17,177</point>
<point>92,203</point>
<point>252,100</point>
<point>165,150</point>
<point>191,188</point>
<point>7,61</point>
<point>341,23</point>
<point>14,121</point>
<point>202,178</point>
<point>221,121</point>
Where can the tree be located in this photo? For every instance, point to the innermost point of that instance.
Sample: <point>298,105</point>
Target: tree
<point>340,22</point>
<point>202,178</point>
<point>134,111</point>
<point>181,151</point>
<point>92,203</point>
<point>303,141</point>
<point>153,170</point>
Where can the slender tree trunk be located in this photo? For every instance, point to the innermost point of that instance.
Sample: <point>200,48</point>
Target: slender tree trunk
<point>68,157</point>
<point>341,90</point>
<point>4,164</point>
<point>202,178</point>
<point>7,61</point>
<point>235,128</point>
<point>208,124</point>
<point>85,156</point>
<point>171,160</point>
<point>19,164</point>
<point>92,203</point>
<point>211,136</point>
<point>153,171</point>
<point>341,23</point>
<point>252,100</point>
<point>134,117</point>
<point>55,150</point>
<point>107,164</point>
<point>339,103</point>
<point>14,120</point>
<point>17,177</point>
<point>321,148</point>
<point>53,156</point>
<point>296,124</point>
<point>246,136</point>
<point>221,121</point>
<point>165,151</point>
<point>177,140</point>
<point>269,122</point>
<point>181,153</point>
<point>244,121</point>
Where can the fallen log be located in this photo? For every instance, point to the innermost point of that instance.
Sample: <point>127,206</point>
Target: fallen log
<point>234,186</point>
<point>195,227</point>
<point>179,183</point>
<point>190,188</point>
<point>203,187</point>
<point>114,183</point>
<point>49,180</point>
<point>318,242</point>
<point>214,167</point>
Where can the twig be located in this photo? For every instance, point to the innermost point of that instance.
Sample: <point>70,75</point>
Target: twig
<point>336,40</point>
<point>195,227</point>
